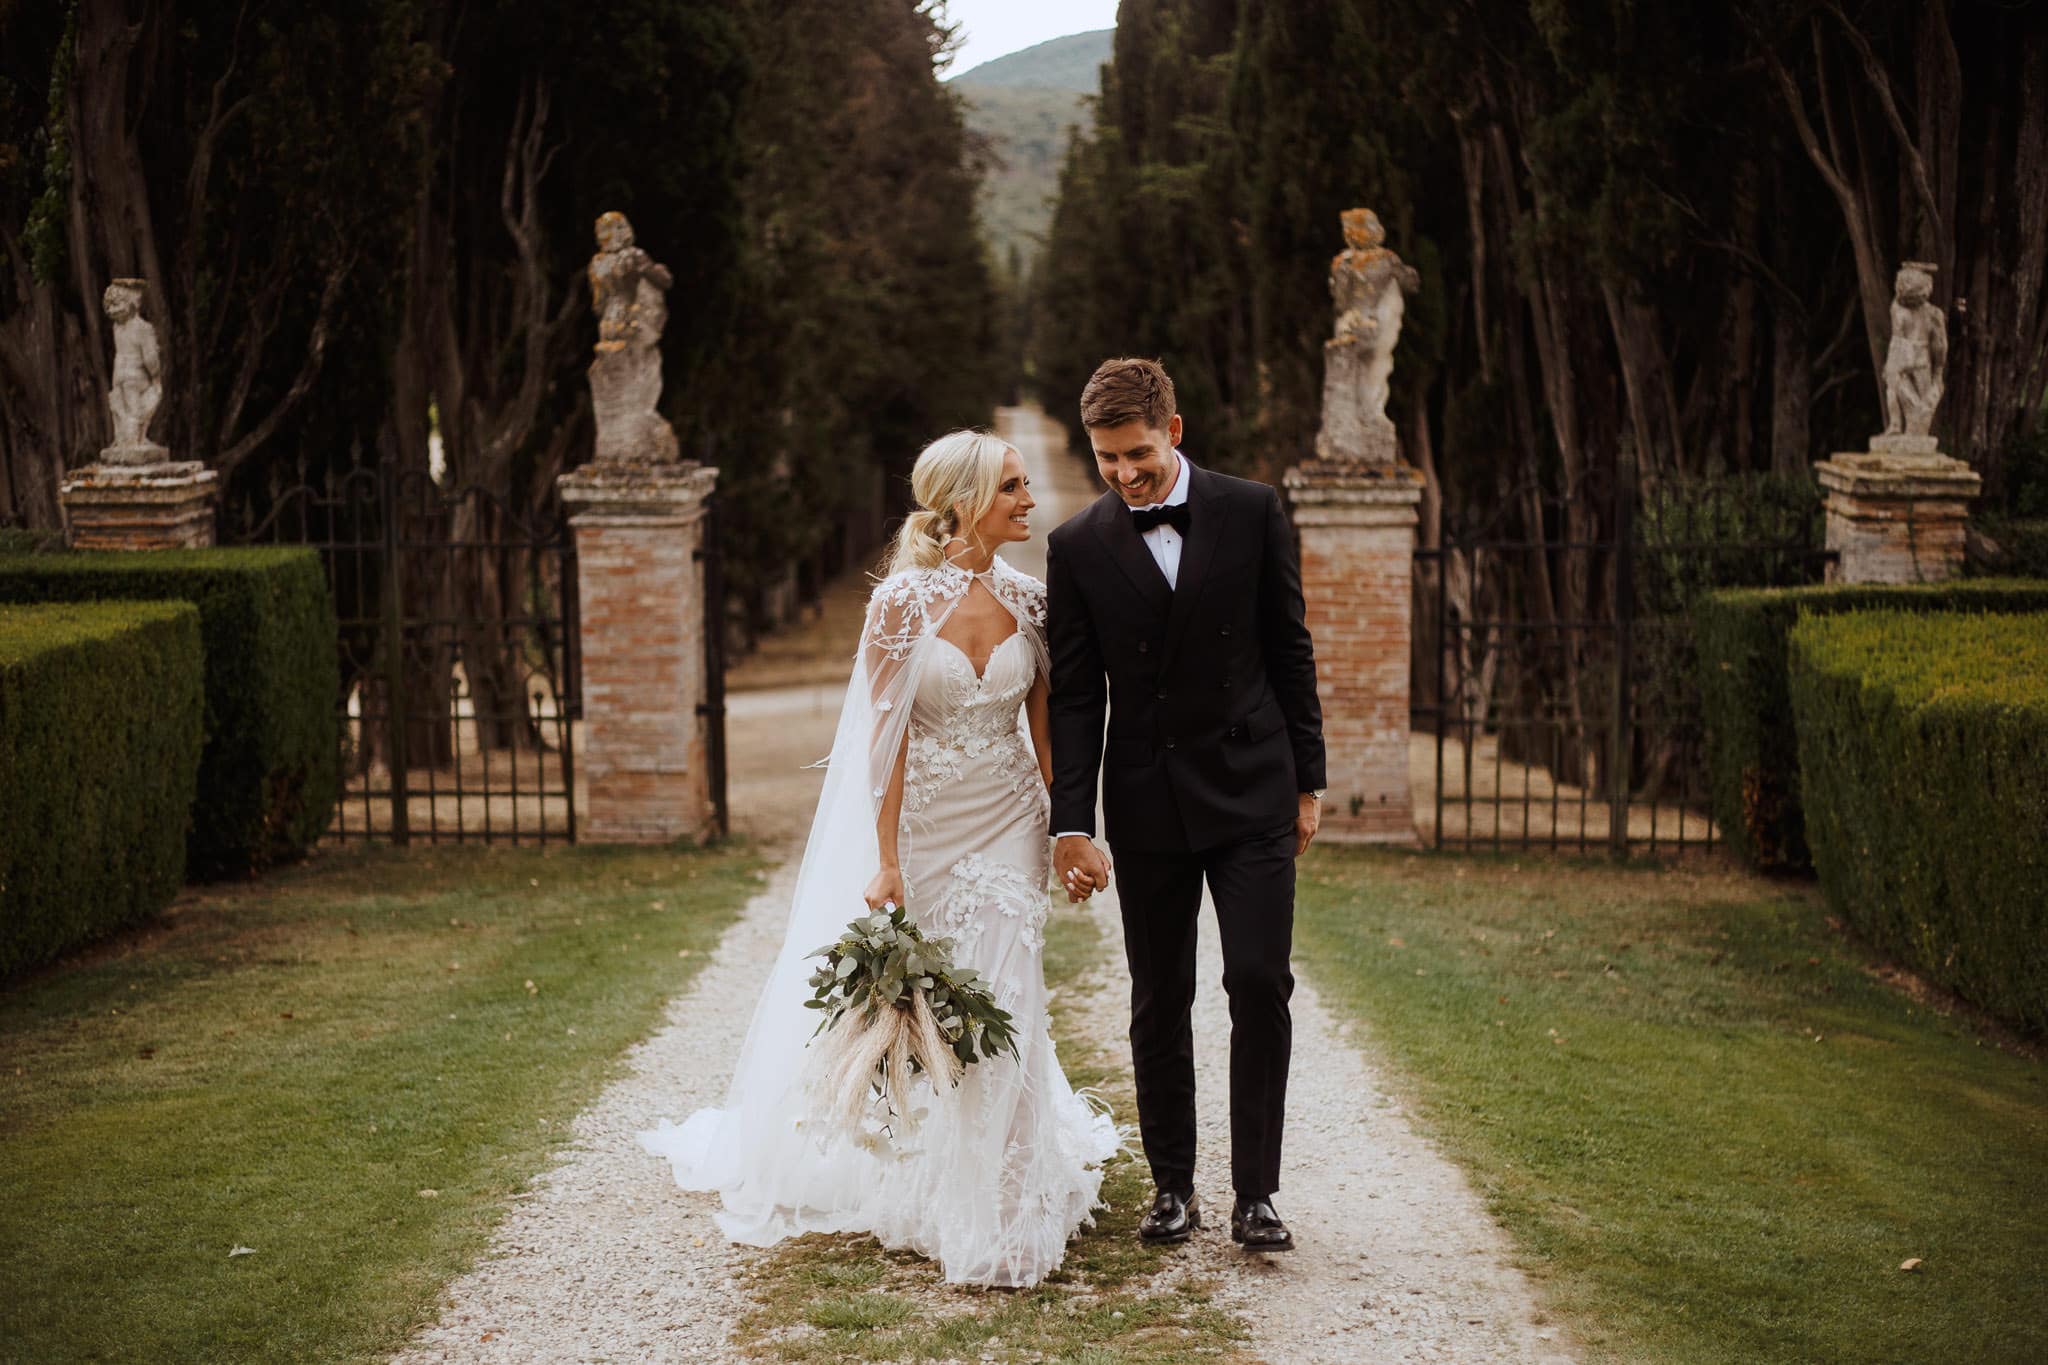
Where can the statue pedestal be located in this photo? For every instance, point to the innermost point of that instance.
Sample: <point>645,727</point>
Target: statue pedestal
<point>1357,526</point>
<point>638,528</point>
<point>167,506</point>
<point>625,384</point>
<point>1895,513</point>
<point>1350,433</point>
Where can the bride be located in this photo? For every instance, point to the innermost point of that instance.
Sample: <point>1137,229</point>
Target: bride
<point>936,798</point>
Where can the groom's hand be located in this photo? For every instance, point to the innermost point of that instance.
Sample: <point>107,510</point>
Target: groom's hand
<point>1308,818</point>
<point>1082,868</point>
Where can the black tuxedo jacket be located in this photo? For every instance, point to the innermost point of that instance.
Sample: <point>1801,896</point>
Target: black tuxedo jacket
<point>1210,687</point>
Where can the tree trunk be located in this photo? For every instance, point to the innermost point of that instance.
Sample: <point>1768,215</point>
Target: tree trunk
<point>1791,390</point>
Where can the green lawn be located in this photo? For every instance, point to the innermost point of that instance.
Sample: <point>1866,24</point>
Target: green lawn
<point>348,1067</point>
<point>1714,1134</point>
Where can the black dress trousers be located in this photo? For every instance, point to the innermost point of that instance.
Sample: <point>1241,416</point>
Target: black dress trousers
<point>1252,884</point>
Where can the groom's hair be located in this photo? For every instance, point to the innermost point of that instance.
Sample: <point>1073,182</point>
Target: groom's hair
<point>1128,390</point>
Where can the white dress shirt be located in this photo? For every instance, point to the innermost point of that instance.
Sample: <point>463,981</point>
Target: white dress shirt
<point>1164,542</point>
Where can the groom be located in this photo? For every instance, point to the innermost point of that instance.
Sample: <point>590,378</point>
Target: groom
<point>1175,606</point>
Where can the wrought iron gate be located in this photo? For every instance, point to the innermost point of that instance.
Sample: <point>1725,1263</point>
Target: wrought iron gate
<point>1553,678</point>
<point>458,633</point>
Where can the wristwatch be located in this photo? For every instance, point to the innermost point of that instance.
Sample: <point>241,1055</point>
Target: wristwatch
<point>1317,793</point>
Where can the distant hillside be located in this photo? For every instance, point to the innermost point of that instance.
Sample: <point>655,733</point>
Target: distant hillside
<point>1070,63</point>
<point>1025,104</point>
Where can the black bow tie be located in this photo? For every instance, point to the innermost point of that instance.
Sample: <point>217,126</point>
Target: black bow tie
<point>1176,516</point>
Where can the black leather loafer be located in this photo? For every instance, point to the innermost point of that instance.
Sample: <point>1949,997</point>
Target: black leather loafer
<point>1171,1220</point>
<point>1254,1225</point>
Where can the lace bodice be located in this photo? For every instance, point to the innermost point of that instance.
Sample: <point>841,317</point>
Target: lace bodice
<point>959,720</point>
<point>952,698</point>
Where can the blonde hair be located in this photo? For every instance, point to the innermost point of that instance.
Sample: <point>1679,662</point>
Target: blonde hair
<point>962,469</point>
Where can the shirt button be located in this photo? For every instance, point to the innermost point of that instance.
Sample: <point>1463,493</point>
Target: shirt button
<point>1159,695</point>
<point>1169,743</point>
<point>1144,646</point>
<point>1226,630</point>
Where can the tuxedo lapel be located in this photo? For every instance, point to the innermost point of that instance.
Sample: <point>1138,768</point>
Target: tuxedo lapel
<point>1198,549</point>
<point>1128,552</point>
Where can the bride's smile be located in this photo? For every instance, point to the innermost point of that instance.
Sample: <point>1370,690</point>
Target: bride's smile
<point>1008,518</point>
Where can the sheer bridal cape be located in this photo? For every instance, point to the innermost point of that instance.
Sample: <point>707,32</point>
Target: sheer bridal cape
<point>1001,1170</point>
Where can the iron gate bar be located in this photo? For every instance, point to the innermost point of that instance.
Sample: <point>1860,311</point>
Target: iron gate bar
<point>711,554</point>
<point>1621,756</point>
<point>569,695</point>
<point>396,721</point>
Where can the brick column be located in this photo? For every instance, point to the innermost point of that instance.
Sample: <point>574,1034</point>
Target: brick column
<point>641,589</point>
<point>1357,525</point>
<point>1895,514</point>
<point>167,506</point>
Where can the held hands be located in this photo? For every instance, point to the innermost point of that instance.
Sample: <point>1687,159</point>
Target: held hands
<point>1081,867</point>
<point>885,889</point>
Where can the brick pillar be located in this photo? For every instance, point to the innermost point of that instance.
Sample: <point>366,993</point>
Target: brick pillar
<point>168,506</point>
<point>1357,525</point>
<point>1895,514</point>
<point>641,589</point>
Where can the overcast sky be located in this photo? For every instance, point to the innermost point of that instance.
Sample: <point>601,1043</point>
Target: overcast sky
<point>996,28</point>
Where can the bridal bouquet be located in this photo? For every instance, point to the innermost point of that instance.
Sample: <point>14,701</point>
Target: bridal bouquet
<point>895,1007</point>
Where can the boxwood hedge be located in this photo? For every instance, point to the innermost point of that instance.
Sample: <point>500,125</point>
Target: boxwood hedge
<point>1923,749</point>
<point>1745,698</point>
<point>270,772</point>
<point>100,707</point>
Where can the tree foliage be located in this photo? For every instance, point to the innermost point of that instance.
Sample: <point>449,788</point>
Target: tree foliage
<point>1665,235</point>
<point>867,316</point>
<point>365,224</point>
<point>251,164</point>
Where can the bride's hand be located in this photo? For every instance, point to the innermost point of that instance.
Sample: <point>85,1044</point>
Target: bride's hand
<point>885,889</point>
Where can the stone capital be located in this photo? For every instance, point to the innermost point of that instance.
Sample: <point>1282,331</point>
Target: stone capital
<point>617,491</point>
<point>1884,475</point>
<point>140,507</point>
<point>1331,493</point>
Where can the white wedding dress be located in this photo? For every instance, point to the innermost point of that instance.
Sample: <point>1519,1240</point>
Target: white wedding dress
<point>1001,1170</point>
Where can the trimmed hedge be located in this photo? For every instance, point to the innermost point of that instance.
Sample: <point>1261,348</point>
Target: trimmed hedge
<point>271,770</point>
<point>1923,744</point>
<point>1746,701</point>
<point>100,708</point>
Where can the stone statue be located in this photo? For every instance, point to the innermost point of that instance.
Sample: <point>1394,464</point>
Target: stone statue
<point>1915,365</point>
<point>1367,283</point>
<point>138,378</point>
<point>628,290</point>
